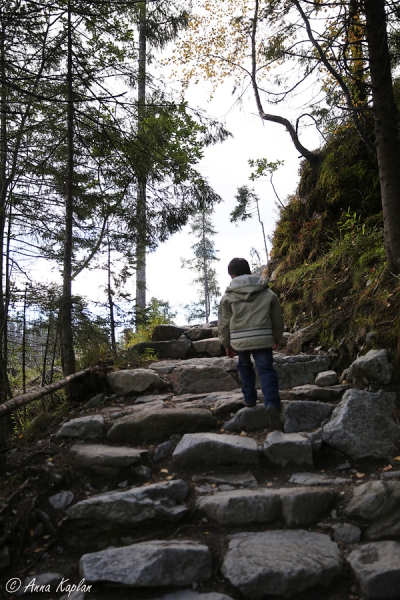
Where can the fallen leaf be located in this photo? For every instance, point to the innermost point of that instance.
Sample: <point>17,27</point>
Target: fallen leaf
<point>32,532</point>
<point>243,433</point>
<point>396,458</point>
<point>206,533</point>
<point>164,471</point>
<point>38,549</point>
<point>169,477</point>
<point>387,468</point>
<point>359,475</point>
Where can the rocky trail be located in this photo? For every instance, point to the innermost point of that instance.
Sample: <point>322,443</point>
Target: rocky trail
<point>166,487</point>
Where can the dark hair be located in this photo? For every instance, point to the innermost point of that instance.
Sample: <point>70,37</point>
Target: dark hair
<point>239,266</point>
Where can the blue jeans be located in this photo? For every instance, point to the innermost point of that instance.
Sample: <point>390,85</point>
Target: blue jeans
<point>268,376</point>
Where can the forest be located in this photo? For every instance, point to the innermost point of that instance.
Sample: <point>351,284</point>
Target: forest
<point>99,165</point>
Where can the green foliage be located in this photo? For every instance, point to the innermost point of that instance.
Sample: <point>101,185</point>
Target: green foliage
<point>245,204</point>
<point>157,312</point>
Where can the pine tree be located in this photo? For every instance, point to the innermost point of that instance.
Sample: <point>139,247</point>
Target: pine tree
<point>205,255</point>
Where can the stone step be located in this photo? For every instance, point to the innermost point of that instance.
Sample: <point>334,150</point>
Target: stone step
<point>103,459</point>
<point>149,564</point>
<point>297,507</point>
<point>281,563</point>
<point>284,448</point>
<point>199,450</point>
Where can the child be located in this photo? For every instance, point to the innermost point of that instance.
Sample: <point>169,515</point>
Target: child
<point>250,322</point>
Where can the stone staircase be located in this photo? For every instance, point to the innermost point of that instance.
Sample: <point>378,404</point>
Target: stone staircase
<point>191,497</point>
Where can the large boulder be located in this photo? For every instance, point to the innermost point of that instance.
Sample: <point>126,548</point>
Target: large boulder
<point>178,349</point>
<point>209,347</point>
<point>193,380</point>
<point>248,419</point>
<point>132,381</point>
<point>304,415</point>
<point>149,564</point>
<point>280,563</point>
<point>167,333</point>
<point>362,425</point>
<point>372,368</point>
<point>157,425</point>
<point>199,333</point>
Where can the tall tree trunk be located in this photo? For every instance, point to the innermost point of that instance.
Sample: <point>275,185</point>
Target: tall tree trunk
<point>110,300</point>
<point>4,383</point>
<point>67,343</point>
<point>142,178</point>
<point>205,272</point>
<point>386,127</point>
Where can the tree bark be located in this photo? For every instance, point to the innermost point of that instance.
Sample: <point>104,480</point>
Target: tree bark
<point>142,178</point>
<point>67,343</point>
<point>386,127</point>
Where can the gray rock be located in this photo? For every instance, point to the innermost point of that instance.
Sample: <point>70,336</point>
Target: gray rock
<point>234,479</point>
<point>192,380</point>
<point>315,438</point>
<point>346,533</point>
<point>153,398</point>
<point>374,367</point>
<point>275,562</point>
<point>316,479</point>
<point>377,569</point>
<point>143,472</point>
<point>176,349</point>
<point>303,506</point>
<point>315,392</point>
<point>159,425</point>
<point>282,448</point>
<point>327,378</point>
<point>49,581</point>
<point>85,428</point>
<point>61,500</point>
<point>389,475</point>
<point>149,564</point>
<point>199,333</point>
<point>299,369</point>
<point>212,450</point>
<point>304,416</point>
<point>95,401</point>
<point>241,507</point>
<point>248,419</point>
<point>377,503</point>
<point>362,425</point>
<point>158,501</point>
<point>167,366</point>
<point>5,560</point>
<point>132,381</point>
<point>73,596</point>
<point>212,347</point>
<point>163,450</point>
<point>166,333</point>
<point>303,336</point>
<point>99,457</point>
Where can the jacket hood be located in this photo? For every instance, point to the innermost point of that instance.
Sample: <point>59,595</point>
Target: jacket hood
<point>246,287</point>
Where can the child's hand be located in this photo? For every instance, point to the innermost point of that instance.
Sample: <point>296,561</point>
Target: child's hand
<point>274,347</point>
<point>230,352</point>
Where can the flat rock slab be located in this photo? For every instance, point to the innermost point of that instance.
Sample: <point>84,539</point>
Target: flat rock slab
<point>298,507</point>
<point>166,333</point>
<point>132,381</point>
<point>248,419</point>
<point>192,380</point>
<point>317,479</point>
<point>283,448</point>
<point>315,392</point>
<point>99,456</point>
<point>362,425</point>
<point>304,415</point>
<point>234,479</point>
<point>280,562</point>
<point>158,425</point>
<point>165,367</point>
<point>84,428</point>
<point>377,569</point>
<point>300,369</point>
<point>213,449</point>
<point>149,564</point>
<point>156,501</point>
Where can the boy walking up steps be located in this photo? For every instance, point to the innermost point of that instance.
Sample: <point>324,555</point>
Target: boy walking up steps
<point>250,323</point>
